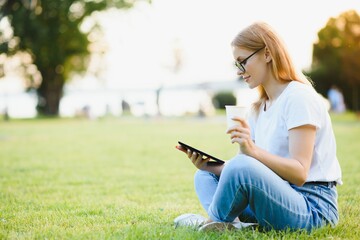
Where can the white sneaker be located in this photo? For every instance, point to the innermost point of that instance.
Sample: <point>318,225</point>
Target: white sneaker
<point>222,226</point>
<point>217,226</point>
<point>241,225</point>
<point>189,220</point>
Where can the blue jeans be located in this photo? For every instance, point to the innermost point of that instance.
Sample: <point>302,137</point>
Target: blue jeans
<point>251,191</point>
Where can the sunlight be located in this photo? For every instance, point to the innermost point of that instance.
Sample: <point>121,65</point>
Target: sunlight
<point>141,40</point>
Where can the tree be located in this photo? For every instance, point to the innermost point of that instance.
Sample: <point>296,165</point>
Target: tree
<point>336,57</point>
<point>221,99</point>
<point>49,31</point>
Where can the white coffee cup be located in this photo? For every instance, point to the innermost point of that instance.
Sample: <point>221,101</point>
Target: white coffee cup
<point>235,111</point>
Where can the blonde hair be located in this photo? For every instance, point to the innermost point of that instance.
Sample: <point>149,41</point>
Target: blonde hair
<point>259,35</point>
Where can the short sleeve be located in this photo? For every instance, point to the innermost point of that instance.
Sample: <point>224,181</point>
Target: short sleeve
<point>303,108</point>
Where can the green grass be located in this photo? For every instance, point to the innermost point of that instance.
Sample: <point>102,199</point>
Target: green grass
<point>123,179</point>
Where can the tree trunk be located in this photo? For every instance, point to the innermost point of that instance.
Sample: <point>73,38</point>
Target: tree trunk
<point>356,98</point>
<point>50,92</point>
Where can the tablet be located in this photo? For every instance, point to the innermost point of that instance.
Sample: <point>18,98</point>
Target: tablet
<point>215,159</point>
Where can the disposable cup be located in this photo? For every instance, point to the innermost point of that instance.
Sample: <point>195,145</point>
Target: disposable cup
<point>234,111</point>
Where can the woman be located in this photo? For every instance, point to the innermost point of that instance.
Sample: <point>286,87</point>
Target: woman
<point>286,172</point>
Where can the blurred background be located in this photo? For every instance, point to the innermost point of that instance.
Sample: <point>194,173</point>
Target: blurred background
<point>162,57</point>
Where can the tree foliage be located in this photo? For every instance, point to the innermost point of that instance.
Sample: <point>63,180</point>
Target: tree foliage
<point>49,31</point>
<point>221,99</point>
<point>336,57</point>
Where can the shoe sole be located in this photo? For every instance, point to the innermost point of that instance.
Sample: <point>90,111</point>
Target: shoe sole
<point>217,226</point>
<point>189,220</point>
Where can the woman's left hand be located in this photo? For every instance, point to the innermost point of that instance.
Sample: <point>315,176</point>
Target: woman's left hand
<point>241,134</point>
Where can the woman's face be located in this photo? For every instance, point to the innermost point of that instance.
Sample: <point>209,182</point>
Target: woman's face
<point>255,66</point>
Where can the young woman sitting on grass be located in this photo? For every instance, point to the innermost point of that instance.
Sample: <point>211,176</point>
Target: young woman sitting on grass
<point>286,172</point>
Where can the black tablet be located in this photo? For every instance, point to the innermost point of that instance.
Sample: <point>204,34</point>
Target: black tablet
<point>215,159</point>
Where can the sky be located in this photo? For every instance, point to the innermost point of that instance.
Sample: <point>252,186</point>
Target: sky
<point>141,42</point>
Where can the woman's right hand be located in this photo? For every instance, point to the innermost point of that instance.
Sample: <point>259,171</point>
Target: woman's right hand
<point>200,162</point>
<point>196,158</point>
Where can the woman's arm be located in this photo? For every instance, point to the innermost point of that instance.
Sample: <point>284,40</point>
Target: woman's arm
<point>294,170</point>
<point>301,144</point>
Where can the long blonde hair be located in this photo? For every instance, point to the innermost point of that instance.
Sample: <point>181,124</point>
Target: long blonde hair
<point>259,35</point>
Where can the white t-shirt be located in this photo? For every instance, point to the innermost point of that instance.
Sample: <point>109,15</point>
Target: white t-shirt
<point>299,104</point>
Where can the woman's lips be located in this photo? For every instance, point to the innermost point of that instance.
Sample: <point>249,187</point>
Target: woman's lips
<point>246,78</point>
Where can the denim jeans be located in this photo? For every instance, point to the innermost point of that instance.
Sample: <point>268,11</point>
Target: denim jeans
<point>251,191</point>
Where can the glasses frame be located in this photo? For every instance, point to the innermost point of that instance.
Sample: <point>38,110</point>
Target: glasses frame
<point>241,65</point>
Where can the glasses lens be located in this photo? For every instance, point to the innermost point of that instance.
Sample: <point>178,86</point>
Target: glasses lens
<point>239,66</point>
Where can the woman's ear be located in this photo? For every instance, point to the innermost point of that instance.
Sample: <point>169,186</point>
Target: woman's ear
<point>268,57</point>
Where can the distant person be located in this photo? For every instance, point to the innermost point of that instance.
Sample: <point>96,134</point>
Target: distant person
<point>6,114</point>
<point>158,93</point>
<point>336,99</point>
<point>286,172</point>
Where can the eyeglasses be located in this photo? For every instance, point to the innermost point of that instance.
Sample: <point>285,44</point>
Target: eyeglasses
<point>241,65</point>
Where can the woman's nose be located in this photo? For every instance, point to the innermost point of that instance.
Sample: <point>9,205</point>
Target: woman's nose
<point>240,73</point>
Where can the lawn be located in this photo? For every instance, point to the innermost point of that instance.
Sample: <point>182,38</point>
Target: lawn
<point>123,179</point>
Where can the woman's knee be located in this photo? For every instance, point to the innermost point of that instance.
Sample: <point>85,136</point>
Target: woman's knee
<point>241,164</point>
<point>202,176</point>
